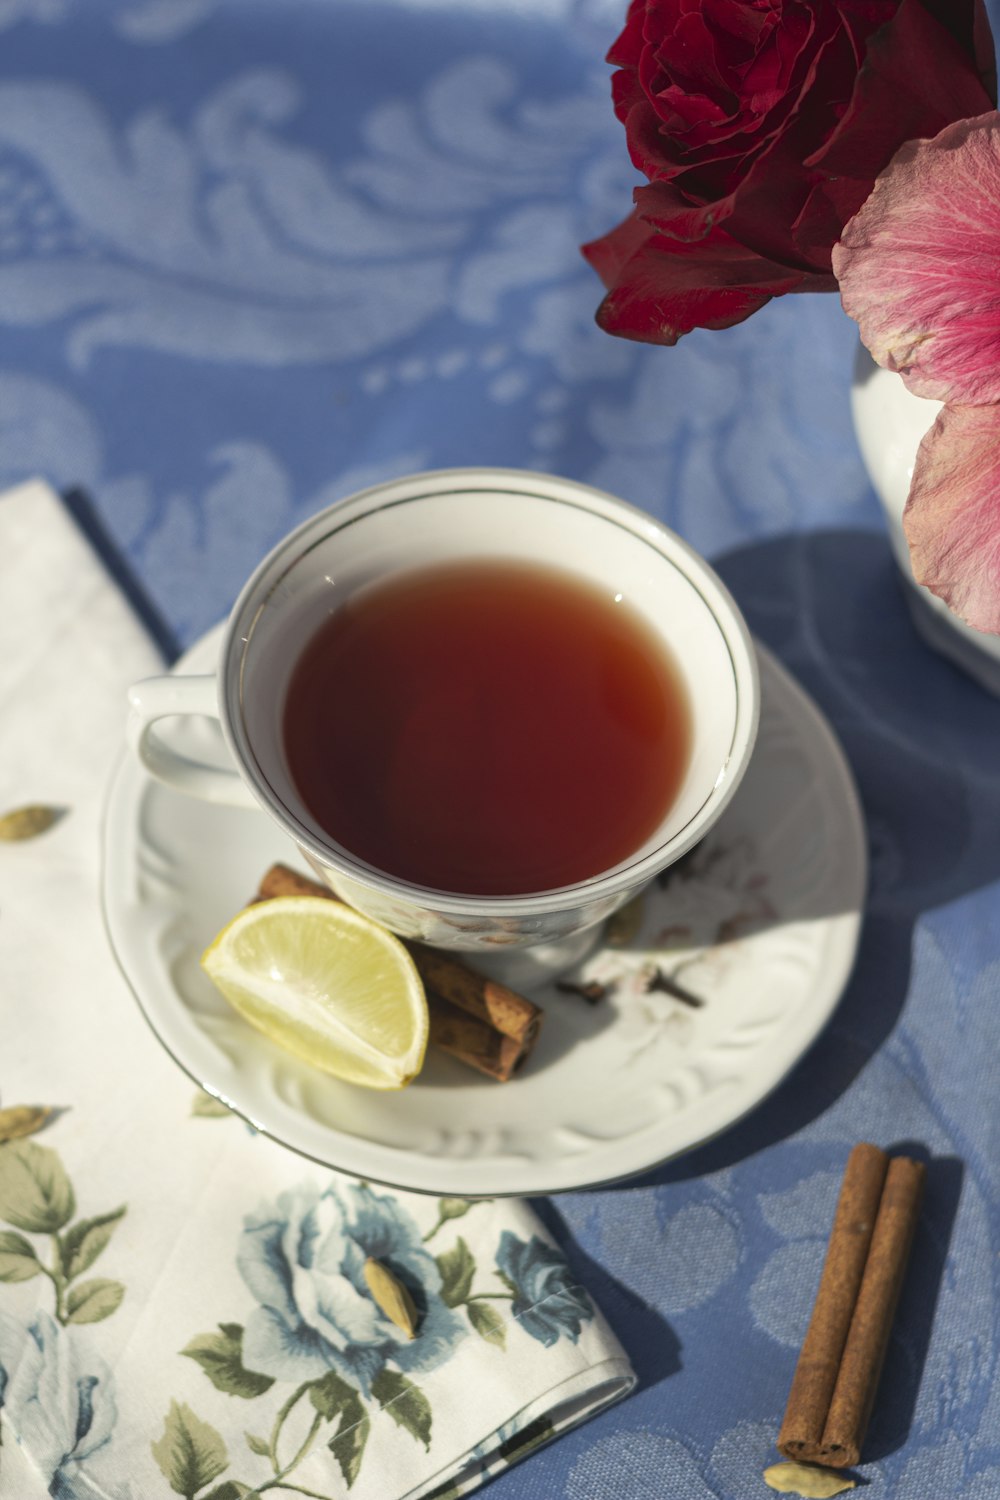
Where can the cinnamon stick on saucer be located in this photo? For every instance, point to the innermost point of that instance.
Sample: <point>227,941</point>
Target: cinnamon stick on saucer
<point>837,1374</point>
<point>511,1014</point>
<point>484,1024</point>
<point>472,1041</point>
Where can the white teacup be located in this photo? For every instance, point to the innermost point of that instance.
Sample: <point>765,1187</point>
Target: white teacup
<point>429,519</point>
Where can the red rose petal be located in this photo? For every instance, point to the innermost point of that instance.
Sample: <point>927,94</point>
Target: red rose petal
<point>669,211</point>
<point>680,110</point>
<point>626,95</point>
<point>750,24</point>
<point>916,79</point>
<point>692,54</point>
<point>626,50</point>
<point>768,202</point>
<point>861,20</point>
<point>918,264</point>
<point>770,117</point>
<point>826,210</point>
<point>770,76</point>
<point>802,110</point>
<point>952,518</point>
<point>642,129</point>
<point>969,23</point>
<point>612,252</point>
<point>660,288</point>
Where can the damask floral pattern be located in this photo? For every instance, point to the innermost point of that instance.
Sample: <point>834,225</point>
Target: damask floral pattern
<point>234,290</point>
<point>277,264</point>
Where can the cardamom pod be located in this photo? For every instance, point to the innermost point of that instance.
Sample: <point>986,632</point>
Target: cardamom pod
<point>391,1297</point>
<point>808,1480</point>
<point>27,822</point>
<point>23,1119</point>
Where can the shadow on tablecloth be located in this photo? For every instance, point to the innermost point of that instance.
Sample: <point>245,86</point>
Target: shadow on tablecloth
<point>84,512</point>
<point>921,739</point>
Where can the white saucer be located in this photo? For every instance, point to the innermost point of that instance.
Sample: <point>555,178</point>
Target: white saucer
<point>760,923</point>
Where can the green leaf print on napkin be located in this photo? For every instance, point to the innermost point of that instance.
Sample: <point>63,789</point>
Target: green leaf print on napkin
<point>92,1301</point>
<point>190,1453</point>
<point>405,1403</point>
<point>457,1268</point>
<point>333,1398</point>
<point>488,1323</point>
<point>35,1193</point>
<point>221,1357</point>
<point>18,1261</point>
<point>84,1241</point>
<point>37,1196</point>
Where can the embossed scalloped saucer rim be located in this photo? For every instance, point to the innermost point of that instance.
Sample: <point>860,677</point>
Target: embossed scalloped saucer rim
<point>762,923</point>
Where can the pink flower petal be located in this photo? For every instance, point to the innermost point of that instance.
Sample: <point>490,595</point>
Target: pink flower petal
<point>919,264</point>
<point>952,518</point>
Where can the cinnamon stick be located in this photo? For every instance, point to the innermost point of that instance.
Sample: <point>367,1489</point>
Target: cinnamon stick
<point>819,1360</point>
<point>466,1034</point>
<point>513,1015</point>
<point>834,1385</point>
<point>868,1339</point>
<point>502,1009</point>
<point>472,1041</point>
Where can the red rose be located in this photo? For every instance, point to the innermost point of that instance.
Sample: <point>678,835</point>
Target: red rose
<point>761,126</point>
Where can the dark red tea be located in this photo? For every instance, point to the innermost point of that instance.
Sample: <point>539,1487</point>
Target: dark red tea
<point>487,728</point>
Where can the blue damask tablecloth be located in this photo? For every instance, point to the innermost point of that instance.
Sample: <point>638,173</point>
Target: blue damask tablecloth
<point>257,254</point>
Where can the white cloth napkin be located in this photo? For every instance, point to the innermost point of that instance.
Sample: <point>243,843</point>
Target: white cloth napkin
<point>182,1303</point>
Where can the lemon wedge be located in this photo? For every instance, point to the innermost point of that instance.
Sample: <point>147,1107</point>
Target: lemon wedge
<point>325,983</point>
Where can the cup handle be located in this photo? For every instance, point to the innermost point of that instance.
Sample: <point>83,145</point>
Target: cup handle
<point>158,698</point>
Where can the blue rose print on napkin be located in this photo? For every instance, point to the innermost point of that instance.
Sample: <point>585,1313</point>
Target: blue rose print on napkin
<point>303,1259</point>
<point>547,1301</point>
<point>324,1359</point>
<point>62,1409</point>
